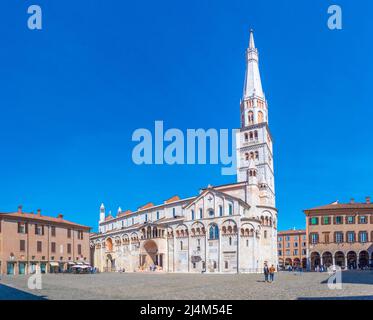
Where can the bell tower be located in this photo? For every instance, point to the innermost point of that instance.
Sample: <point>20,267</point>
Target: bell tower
<point>254,140</point>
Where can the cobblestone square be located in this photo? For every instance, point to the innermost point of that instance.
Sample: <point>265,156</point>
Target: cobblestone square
<point>287,285</point>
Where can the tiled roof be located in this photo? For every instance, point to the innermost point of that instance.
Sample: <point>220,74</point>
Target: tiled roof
<point>338,206</point>
<point>284,232</point>
<point>24,215</point>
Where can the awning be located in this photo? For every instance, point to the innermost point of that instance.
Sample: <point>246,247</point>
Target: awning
<point>71,263</point>
<point>78,262</point>
<point>54,264</point>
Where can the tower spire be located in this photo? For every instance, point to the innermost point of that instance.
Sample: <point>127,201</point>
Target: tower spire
<point>253,83</point>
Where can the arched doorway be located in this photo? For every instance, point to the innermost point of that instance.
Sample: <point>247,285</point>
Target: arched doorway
<point>327,259</point>
<point>150,257</point>
<point>339,259</point>
<point>315,260</point>
<point>351,260</point>
<point>296,262</point>
<point>110,263</point>
<point>363,259</point>
<point>288,262</point>
<point>304,263</point>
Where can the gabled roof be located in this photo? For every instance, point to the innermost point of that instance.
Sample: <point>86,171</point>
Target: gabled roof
<point>222,194</point>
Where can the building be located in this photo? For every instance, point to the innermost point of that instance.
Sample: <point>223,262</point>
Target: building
<point>228,228</point>
<point>292,248</point>
<point>32,242</point>
<point>340,234</point>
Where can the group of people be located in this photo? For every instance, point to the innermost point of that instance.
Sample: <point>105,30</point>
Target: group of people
<point>269,273</point>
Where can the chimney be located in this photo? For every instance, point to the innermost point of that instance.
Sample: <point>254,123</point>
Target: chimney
<point>38,212</point>
<point>20,209</point>
<point>60,216</point>
<point>352,200</point>
<point>367,200</point>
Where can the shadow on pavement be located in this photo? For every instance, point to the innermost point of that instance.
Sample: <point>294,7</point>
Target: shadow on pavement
<point>9,293</point>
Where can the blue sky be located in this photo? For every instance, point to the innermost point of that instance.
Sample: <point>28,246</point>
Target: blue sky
<point>72,94</point>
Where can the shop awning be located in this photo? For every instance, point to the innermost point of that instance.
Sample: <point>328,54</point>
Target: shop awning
<point>54,264</point>
<point>71,263</point>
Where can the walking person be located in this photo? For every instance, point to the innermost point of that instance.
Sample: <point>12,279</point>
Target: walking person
<point>266,272</point>
<point>272,270</point>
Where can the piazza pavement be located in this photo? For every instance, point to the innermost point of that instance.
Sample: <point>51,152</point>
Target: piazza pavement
<point>287,285</point>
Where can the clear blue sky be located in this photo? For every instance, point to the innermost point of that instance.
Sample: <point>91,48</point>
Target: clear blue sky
<point>72,94</point>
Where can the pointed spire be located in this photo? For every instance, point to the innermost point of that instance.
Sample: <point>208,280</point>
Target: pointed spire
<point>102,206</point>
<point>251,42</point>
<point>253,83</point>
<point>119,210</point>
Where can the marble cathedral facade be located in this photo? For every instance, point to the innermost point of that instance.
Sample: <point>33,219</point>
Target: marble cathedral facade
<point>226,229</point>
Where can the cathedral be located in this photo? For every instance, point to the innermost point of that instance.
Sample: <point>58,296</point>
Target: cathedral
<point>229,228</point>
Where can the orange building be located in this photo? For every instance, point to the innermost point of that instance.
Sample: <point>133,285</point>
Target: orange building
<point>292,248</point>
<point>340,234</point>
<point>31,242</point>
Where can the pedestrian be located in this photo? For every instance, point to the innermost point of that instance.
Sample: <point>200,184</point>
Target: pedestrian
<point>266,272</point>
<point>272,270</point>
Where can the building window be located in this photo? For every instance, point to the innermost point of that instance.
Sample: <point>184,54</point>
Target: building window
<point>220,211</point>
<point>363,220</point>
<point>314,221</point>
<point>39,230</point>
<point>80,234</point>
<point>338,220</point>
<point>287,238</point>
<point>247,243</point>
<point>22,245</point>
<point>230,209</point>
<point>194,265</point>
<point>214,232</point>
<point>211,213</point>
<point>279,252</point>
<point>338,237</point>
<point>295,252</point>
<point>174,212</point>
<point>181,245</point>
<point>53,247</point>
<point>363,236</point>
<point>350,236</point>
<point>279,245</point>
<point>304,252</point>
<point>146,217</point>
<point>287,252</point>
<point>53,231</point>
<point>69,233</point>
<point>226,264</point>
<point>39,246</point>
<point>157,215</point>
<point>192,214</point>
<point>326,237</point>
<point>314,238</point>
<point>326,220</point>
<point>350,220</point>
<point>200,213</point>
<point>287,244</point>
<point>265,234</point>
<point>79,249</point>
<point>296,244</point>
<point>279,238</point>
<point>230,241</point>
<point>22,227</point>
<point>69,248</point>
